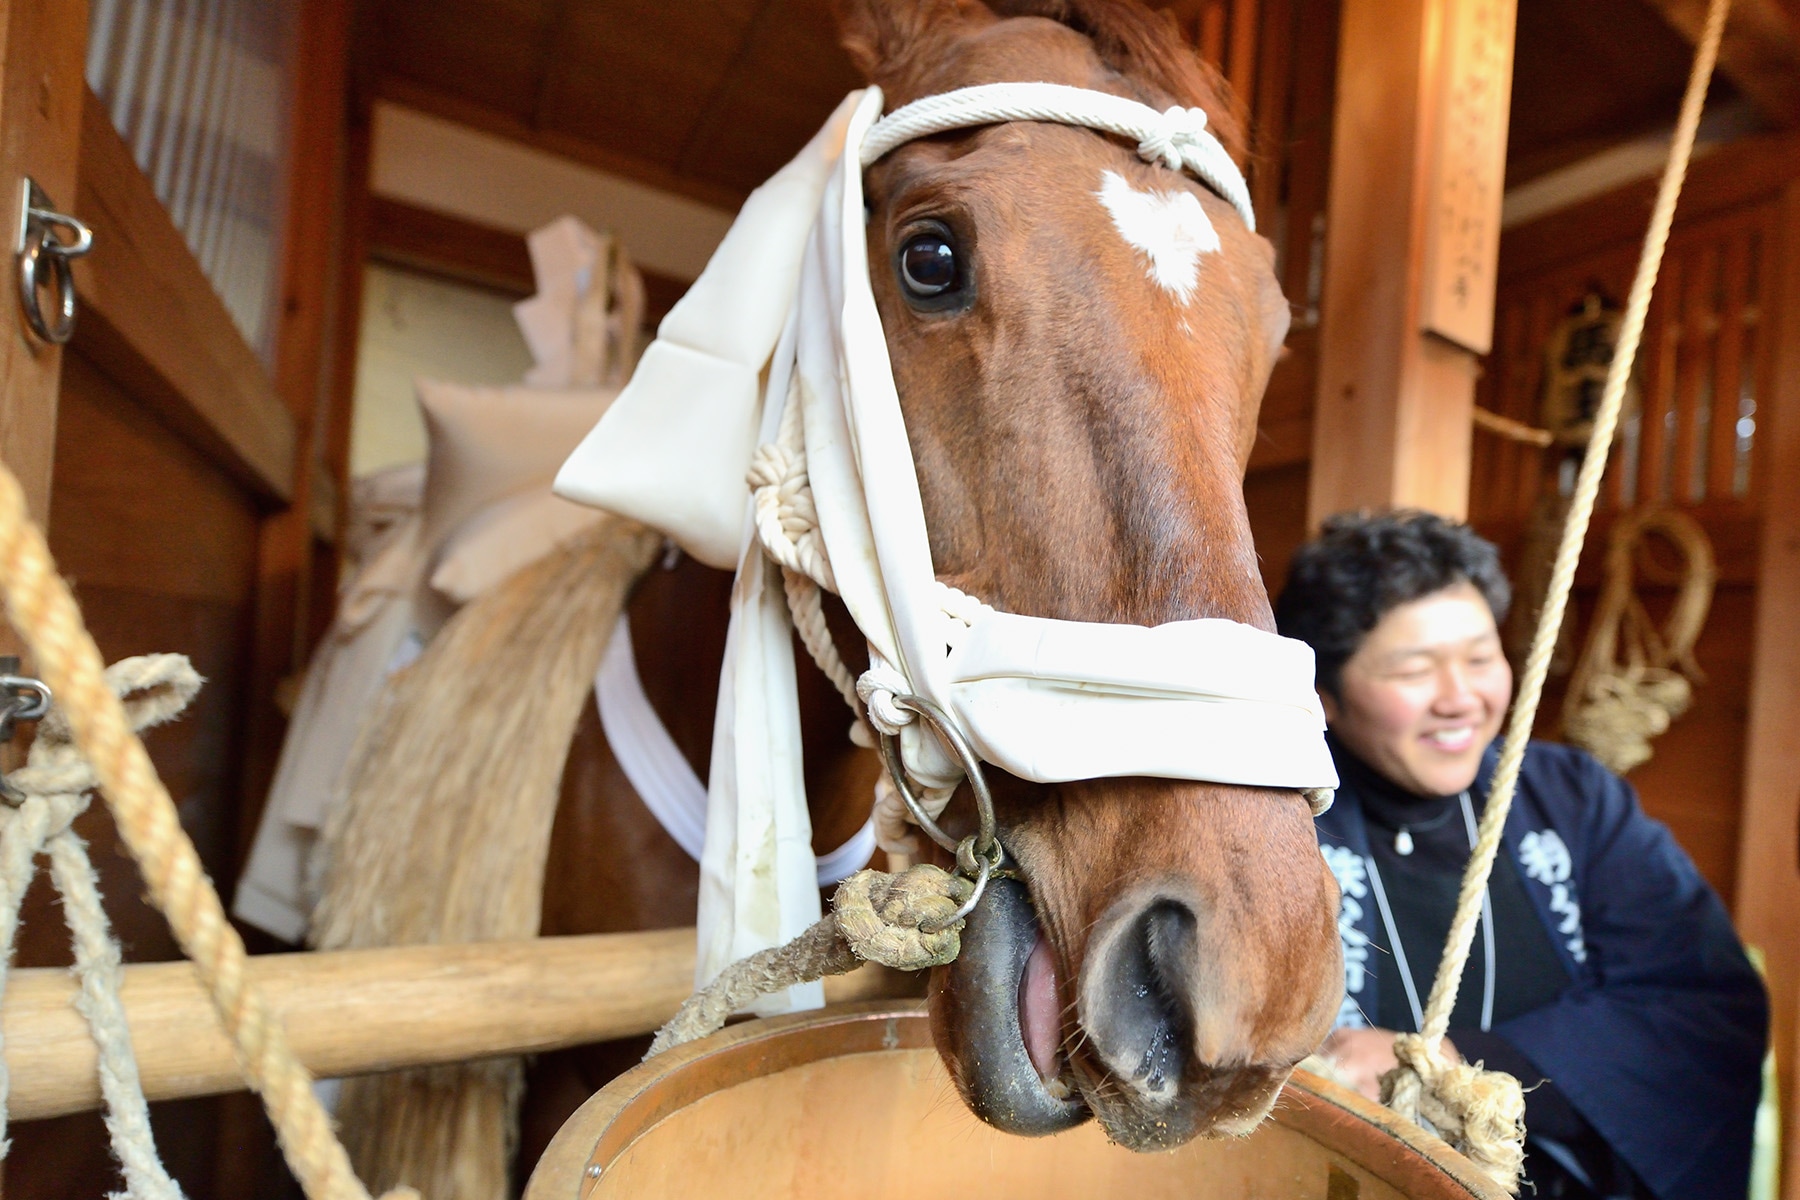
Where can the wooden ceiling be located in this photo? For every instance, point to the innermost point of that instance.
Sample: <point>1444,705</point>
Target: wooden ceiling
<point>706,96</point>
<point>709,97</point>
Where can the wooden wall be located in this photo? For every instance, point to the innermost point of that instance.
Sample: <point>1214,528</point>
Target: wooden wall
<point>161,546</point>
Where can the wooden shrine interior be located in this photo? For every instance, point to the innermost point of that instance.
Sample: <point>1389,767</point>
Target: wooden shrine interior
<point>197,489</point>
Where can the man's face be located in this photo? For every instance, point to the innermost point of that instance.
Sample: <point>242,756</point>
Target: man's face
<point>1425,692</point>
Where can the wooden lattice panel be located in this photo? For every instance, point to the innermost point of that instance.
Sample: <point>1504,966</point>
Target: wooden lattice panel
<point>1700,371</point>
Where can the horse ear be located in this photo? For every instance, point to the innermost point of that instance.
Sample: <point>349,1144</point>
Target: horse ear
<point>884,37</point>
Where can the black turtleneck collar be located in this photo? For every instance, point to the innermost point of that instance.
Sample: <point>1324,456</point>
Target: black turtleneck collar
<point>1384,802</point>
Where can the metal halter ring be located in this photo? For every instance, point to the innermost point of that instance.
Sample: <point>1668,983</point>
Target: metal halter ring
<point>979,855</point>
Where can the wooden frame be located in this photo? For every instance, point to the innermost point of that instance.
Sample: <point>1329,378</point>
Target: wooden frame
<point>173,347</point>
<point>1768,901</point>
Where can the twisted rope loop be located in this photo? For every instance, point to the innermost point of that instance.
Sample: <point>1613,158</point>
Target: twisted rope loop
<point>41,608</point>
<point>875,917</point>
<point>787,528</point>
<point>55,782</point>
<point>1475,1113</point>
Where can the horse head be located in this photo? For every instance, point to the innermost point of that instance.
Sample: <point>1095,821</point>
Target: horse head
<point>1080,341</point>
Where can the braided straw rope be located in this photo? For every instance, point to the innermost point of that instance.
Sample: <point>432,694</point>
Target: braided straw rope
<point>41,607</point>
<point>1492,1133</point>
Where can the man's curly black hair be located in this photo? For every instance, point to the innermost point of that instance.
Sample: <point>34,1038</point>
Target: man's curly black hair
<point>1342,582</point>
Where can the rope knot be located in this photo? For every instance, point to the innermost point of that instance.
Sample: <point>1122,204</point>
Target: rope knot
<point>1176,132</point>
<point>879,915</point>
<point>877,687</point>
<point>787,522</point>
<point>1480,1113</point>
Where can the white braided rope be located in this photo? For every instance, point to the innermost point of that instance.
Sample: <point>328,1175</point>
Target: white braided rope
<point>56,780</point>
<point>1176,137</point>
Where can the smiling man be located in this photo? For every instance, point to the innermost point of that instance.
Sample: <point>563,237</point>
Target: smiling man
<point>1605,970</point>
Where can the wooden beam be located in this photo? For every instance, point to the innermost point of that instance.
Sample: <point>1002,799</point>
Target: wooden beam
<point>351,1012</point>
<point>1759,52</point>
<point>476,116</point>
<point>152,322</point>
<point>41,55</point>
<point>419,239</point>
<point>1768,881</point>
<point>1412,239</point>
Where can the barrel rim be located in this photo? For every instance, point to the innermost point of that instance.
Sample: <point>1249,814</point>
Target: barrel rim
<point>1392,1149</point>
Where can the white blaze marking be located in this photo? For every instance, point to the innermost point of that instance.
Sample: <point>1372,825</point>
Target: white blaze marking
<point>1170,227</point>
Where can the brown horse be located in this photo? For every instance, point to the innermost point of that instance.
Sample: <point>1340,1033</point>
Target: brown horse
<point>1080,425</point>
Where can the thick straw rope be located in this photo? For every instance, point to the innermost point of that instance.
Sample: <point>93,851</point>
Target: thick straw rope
<point>1474,1110</point>
<point>41,607</point>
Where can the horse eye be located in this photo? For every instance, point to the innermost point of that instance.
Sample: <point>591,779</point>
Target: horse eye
<point>928,265</point>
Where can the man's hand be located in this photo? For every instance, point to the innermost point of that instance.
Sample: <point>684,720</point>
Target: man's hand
<point>1365,1055</point>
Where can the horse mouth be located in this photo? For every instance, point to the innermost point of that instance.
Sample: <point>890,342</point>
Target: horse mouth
<point>998,1017</point>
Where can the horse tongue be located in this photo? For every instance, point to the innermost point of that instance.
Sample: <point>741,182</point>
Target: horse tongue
<point>1040,1013</point>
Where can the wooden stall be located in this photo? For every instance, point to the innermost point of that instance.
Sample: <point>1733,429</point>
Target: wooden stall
<point>191,447</point>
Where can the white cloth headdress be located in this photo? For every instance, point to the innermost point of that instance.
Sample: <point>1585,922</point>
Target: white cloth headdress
<point>1046,700</point>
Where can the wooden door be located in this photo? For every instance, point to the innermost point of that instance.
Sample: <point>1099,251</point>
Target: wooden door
<point>175,446</point>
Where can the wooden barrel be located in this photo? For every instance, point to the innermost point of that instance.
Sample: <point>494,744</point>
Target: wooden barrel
<point>853,1102</point>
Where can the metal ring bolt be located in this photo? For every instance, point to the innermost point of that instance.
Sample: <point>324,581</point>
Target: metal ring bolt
<point>39,247</point>
<point>978,856</point>
<point>22,698</point>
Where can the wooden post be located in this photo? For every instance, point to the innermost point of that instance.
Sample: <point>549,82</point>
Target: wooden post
<point>1768,886</point>
<point>42,43</point>
<point>1412,240</point>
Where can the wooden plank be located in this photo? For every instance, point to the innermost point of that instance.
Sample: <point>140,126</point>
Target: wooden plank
<point>1758,52</point>
<point>419,239</point>
<point>1284,425</point>
<point>1466,171</point>
<point>1240,56</point>
<point>1694,369</point>
<point>1662,332</point>
<point>153,323</point>
<point>42,45</point>
<point>1270,112</point>
<point>1768,881</point>
<point>1392,424</point>
<point>454,108</point>
<point>439,244</point>
<point>1721,454</point>
<point>350,1012</point>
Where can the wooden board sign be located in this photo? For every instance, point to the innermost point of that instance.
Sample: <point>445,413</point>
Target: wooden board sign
<point>1466,170</point>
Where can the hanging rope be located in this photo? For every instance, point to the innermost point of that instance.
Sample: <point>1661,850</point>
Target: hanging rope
<point>53,788</point>
<point>1481,1113</point>
<point>44,612</point>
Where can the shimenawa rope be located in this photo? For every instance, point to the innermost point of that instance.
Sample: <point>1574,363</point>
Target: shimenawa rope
<point>44,612</point>
<point>1481,1113</point>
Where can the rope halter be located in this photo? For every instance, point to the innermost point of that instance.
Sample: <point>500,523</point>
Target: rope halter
<point>1176,137</point>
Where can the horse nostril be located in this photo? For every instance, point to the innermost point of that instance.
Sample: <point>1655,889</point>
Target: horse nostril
<point>1145,1023</point>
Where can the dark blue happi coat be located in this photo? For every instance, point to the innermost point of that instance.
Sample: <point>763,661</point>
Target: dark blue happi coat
<point>1658,1042</point>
